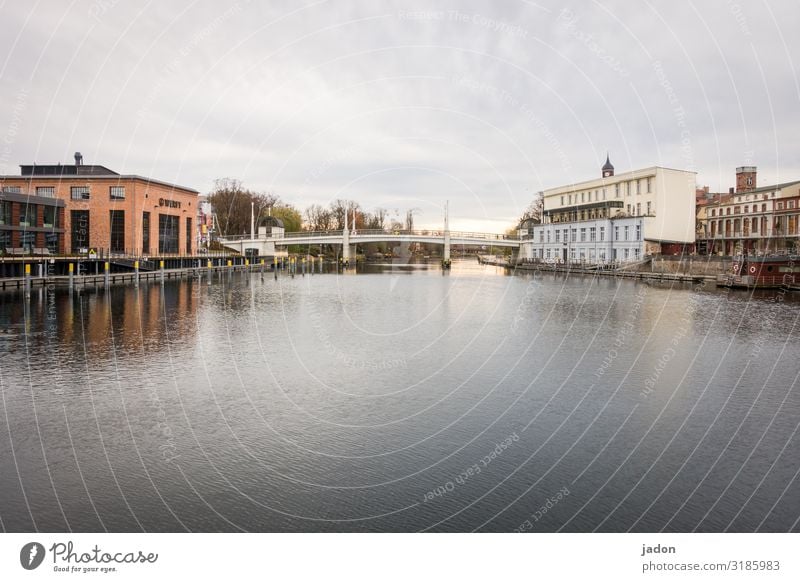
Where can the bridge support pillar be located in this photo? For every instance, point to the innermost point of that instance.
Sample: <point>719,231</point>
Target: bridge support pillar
<point>446,250</point>
<point>348,254</point>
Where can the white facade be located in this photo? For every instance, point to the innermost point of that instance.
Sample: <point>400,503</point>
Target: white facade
<point>614,218</point>
<point>598,242</point>
<point>664,197</point>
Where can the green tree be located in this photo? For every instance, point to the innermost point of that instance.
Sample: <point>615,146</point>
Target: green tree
<point>292,220</point>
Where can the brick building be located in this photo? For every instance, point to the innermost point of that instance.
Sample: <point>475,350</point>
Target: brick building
<point>110,212</point>
<point>750,219</point>
<point>30,224</point>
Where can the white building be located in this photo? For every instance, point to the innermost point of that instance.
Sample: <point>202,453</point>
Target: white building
<point>619,218</point>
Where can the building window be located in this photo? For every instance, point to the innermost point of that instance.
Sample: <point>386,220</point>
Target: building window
<point>627,253</point>
<point>604,193</point>
<point>763,208</point>
<point>574,234</point>
<point>27,240</point>
<point>638,232</point>
<point>780,205</point>
<point>628,188</point>
<point>79,227</point>
<point>558,235</point>
<point>602,233</point>
<point>565,235</point>
<point>5,239</point>
<point>117,192</point>
<point>616,190</point>
<point>627,229</point>
<point>46,191</point>
<point>728,211</point>
<point>562,200</point>
<point>649,208</point>
<point>189,235</point>
<point>636,253</point>
<point>541,236</point>
<point>583,235</point>
<point>167,234</point>
<point>790,204</point>
<point>629,208</point>
<point>616,233</point>
<point>27,214</point>
<point>79,192</point>
<point>50,217</point>
<point>713,212</point>
<point>746,209</point>
<point>638,186</point>
<point>5,212</point>
<point>146,233</point>
<point>548,236</point>
<point>572,253</point>
<point>117,218</point>
<point>548,253</point>
<point>638,209</point>
<point>649,185</point>
<point>13,189</point>
<point>592,234</point>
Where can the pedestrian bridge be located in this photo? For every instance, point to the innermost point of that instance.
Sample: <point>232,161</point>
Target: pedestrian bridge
<point>269,245</point>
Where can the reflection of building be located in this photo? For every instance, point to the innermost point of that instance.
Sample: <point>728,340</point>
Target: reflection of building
<point>750,219</point>
<point>116,213</point>
<point>30,224</point>
<point>616,217</point>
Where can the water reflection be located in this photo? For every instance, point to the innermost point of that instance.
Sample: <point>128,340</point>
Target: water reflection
<point>341,401</point>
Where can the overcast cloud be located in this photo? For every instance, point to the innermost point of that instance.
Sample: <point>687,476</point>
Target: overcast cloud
<point>403,104</point>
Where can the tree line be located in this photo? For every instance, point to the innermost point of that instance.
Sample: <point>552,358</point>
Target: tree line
<point>231,202</point>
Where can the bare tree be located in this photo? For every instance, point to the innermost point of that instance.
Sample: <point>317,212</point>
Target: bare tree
<point>380,216</point>
<point>318,218</point>
<point>264,201</point>
<point>339,207</point>
<point>535,209</point>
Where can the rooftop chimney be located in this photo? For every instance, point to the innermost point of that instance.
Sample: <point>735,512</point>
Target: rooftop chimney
<point>78,159</point>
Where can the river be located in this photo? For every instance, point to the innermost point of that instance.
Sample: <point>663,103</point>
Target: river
<point>400,399</point>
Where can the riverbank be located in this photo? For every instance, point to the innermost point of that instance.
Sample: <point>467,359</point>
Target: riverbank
<point>619,273</point>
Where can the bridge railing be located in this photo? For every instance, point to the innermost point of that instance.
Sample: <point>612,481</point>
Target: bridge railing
<point>488,236</point>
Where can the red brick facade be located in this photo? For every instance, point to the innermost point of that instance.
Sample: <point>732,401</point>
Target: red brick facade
<point>138,196</point>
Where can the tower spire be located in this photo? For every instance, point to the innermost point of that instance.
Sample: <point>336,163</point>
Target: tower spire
<point>608,168</point>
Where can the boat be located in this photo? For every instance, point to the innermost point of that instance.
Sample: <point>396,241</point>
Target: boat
<point>770,271</point>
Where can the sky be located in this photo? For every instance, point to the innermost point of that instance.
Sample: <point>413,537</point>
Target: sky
<point>403,105</point>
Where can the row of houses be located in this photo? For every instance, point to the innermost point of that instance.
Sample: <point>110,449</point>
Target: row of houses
<point>631,216</point>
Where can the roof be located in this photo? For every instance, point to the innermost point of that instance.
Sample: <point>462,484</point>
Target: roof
<point>65,170</point>
<point>111,176</point>
<point>271,221</point>
<point>30,198</point>
<point>768,188</point>
<point>608,165</point>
